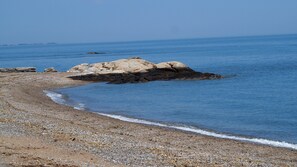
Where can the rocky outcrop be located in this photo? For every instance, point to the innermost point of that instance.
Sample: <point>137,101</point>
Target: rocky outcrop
<point>135,70</point>
<point>18,69</point>
<point>51,69</point>
<point>131,65</point>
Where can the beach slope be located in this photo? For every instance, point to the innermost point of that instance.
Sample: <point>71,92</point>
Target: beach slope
<point>36,131</point>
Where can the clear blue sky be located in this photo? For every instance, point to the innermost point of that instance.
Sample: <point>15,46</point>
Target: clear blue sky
<point>72,21</point>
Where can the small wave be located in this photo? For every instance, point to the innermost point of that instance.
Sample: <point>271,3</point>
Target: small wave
<point>58,98</point>
<point>207,133</point>
<point>80,106</point>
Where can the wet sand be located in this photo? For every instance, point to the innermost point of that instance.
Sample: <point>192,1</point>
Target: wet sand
<point>35,131</point>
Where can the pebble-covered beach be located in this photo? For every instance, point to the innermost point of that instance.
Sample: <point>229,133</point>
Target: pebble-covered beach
<point>35,131</point>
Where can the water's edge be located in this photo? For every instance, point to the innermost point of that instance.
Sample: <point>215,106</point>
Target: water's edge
<point>59,98</point>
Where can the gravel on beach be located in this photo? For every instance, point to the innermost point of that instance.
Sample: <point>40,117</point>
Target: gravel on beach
<point>35,131</point>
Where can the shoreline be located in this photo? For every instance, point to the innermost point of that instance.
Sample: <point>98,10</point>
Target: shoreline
<point>82,137</point>
<point>58,98</point>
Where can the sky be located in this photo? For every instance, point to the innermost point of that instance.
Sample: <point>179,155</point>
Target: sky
<point>81,21</point>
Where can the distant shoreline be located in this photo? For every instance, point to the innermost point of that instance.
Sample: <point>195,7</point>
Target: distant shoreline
<point>60,135</point>
<point>149,40</point>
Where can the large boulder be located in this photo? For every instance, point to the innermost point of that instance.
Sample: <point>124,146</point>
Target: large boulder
<point>173,65</point>
<point>80,68</point>
<point>136,70</point>
<point>131,65</point>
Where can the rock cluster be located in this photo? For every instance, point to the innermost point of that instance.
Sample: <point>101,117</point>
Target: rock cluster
<point>135,70</point>
<point>131,65</point>
<point>18,69</point>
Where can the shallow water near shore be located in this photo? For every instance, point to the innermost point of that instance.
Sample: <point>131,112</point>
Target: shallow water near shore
<point>258,100</point>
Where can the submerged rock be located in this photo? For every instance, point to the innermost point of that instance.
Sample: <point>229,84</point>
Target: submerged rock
<point>94,53</point>
<point>51,69</point>
<point>135,70</point>
<point>18,69</point>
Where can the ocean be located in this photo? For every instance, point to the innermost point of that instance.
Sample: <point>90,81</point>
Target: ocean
<point>255,102</point>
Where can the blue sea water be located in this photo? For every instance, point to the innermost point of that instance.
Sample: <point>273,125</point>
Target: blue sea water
<point>257,99</point>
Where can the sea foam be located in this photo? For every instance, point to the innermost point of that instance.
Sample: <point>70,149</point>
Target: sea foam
<point>58,98</point>
<point>207,133</point>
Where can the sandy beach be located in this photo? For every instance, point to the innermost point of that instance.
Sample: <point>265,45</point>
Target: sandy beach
<point>35,131</point>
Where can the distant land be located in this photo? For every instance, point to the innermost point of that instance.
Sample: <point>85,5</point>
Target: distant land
<point>128,41</point>
<point>26,44</point>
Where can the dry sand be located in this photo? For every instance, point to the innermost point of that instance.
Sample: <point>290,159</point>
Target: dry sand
<point>35,131</point>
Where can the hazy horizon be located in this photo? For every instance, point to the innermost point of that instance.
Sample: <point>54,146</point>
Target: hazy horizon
<point>97,21</point>
<point>52,42</point>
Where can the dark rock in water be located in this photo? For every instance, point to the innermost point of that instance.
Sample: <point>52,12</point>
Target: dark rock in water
<point>135,57</point>
<point>95,53</point>
<point>154,75</point>
<point>18,69</point>
<point>51,69</point>
<point>135,70</point>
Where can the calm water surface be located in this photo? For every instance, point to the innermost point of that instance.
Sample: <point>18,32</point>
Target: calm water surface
<point>259,99</point>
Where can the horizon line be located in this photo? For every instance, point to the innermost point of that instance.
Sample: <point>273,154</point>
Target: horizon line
<point>148,40</point>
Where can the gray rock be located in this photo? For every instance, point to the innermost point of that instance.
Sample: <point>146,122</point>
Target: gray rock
<point>51,69</point>
<point>18,69</point>
<point>163,65</point>
<point>118,66</point>
<point>135,70</point>
<point>80,68</point>
<point>135,57</point>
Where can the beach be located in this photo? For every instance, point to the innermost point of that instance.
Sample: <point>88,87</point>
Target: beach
<point>35,131</point>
